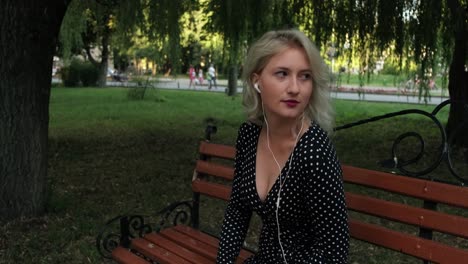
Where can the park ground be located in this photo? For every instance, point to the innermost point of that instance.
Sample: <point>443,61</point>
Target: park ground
<point>110,154</point>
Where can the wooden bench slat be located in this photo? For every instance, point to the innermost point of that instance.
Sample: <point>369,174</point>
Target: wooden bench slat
<point>423,189</point>
<point>215,169</point>
<point>124,256</point>
<point>210,240</point>
<point>194,233</point>
<point>405,243</point>
<point>217,150</point>
<point>192,244</point>
<point>177,249</point>
<point>215,190</point>
<point>156,253</point>
<point>438,221</point>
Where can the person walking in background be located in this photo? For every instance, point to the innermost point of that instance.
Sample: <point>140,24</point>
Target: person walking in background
<point>432,84</point>
<point>210,81</point>
<point>200,76</point>
<point>212,74</point>
<point>192,76</point>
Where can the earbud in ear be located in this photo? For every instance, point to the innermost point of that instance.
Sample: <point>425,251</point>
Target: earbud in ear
<point>256,88</point>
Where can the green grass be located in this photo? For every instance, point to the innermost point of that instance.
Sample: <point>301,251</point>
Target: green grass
<point>380,80</point>
<point>384,80</point>
<point>110,155</point>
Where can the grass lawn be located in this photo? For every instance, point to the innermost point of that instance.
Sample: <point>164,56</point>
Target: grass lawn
<point>109,155</point>
<point>381,80</point>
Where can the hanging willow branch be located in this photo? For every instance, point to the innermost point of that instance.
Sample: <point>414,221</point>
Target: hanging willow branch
<point>164,24</point>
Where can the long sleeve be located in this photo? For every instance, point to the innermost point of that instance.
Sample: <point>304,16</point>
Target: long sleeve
<point>237,216</point>
<point>326,202</point>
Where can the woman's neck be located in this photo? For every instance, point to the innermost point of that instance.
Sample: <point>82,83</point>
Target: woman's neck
<point>286,129</point>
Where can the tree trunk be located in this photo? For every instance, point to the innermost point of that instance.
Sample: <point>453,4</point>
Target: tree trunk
<point>101,64</point>
<point>232,80</point>
<point>28,37</point>
<point>102,79</point>
<point>458,83</point>
<point>104,56</point>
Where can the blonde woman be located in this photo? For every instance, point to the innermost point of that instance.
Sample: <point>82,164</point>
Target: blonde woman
<point>286,168</point>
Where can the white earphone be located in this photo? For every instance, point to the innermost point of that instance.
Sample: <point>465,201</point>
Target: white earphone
<point>256,88</point>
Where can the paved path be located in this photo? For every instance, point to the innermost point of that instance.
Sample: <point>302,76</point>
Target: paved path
<point>347,92</point>
<point>435,100</point>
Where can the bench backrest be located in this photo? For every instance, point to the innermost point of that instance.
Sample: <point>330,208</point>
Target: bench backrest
<point>373,195</point>
<point>216,161</point>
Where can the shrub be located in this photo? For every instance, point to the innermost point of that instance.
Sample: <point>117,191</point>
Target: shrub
<point>89,74</point>
<point>71,74</point>
<point>79,73</point>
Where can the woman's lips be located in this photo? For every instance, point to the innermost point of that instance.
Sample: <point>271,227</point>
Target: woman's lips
<point>291,103</point>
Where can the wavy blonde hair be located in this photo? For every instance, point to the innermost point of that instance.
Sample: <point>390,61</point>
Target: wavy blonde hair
<point>271,43</point>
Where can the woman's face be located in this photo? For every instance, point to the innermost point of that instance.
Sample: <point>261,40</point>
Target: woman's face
<point>286,84</point>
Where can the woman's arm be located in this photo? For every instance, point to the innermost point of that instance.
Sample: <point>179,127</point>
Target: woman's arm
<point>326,201</point>
<point>237,216</point>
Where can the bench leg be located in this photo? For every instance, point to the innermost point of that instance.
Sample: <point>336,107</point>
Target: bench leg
<point>424,232</point>
<point>124,232</point>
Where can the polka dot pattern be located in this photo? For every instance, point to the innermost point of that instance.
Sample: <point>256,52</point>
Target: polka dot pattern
<point>312,214</point>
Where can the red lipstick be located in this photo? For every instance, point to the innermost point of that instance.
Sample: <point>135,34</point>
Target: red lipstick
<point>291,103</point>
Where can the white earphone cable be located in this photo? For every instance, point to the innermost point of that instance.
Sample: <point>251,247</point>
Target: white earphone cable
<point>280,177</point>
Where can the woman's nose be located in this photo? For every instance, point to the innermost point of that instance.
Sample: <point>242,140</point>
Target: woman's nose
<point>293,86</point>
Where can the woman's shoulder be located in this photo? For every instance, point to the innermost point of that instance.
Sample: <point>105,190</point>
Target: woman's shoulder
<point>249,127</point>
<point>315,133</point>
<point>248,131</point>
<point>314,126</point>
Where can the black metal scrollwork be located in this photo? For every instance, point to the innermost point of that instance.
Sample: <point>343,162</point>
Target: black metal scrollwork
<point>175,214</point>
<point>109,238</point>
<point>402,165</point>
<point>137,226</point>
<point>119,230</point>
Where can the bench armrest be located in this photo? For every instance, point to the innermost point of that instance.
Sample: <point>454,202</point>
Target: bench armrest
<point>119,230</point>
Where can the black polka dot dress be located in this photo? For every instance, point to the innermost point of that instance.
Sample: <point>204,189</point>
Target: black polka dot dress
<point>312,212</point>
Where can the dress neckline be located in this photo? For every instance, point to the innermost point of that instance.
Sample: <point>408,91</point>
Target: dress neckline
<point>274,186</point>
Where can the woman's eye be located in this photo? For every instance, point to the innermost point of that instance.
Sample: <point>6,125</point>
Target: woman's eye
<point>281,73</point>
<point>306,76</point>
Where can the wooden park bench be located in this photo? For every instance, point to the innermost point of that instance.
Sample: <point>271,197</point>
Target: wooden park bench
<point>176,237</point>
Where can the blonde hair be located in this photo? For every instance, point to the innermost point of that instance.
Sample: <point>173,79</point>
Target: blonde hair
<point>271,43</point>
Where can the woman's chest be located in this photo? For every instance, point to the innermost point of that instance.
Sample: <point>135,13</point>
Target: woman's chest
<point>287,193</point>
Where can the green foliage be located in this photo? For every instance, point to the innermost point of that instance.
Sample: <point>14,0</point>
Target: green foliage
<point>79,73</point>
<point>71,74</point>
<point>73,25</point>
<point>390,69</point>
<point>240,22</point>
<point>164,23</point>
<point>88,74</point>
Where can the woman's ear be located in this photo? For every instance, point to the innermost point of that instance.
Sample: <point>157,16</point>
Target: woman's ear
<point>254,80</point>
<point>255,77</point>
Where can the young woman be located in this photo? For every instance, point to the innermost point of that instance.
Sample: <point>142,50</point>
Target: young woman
<point>192,76</point>
<point>286,168</point>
